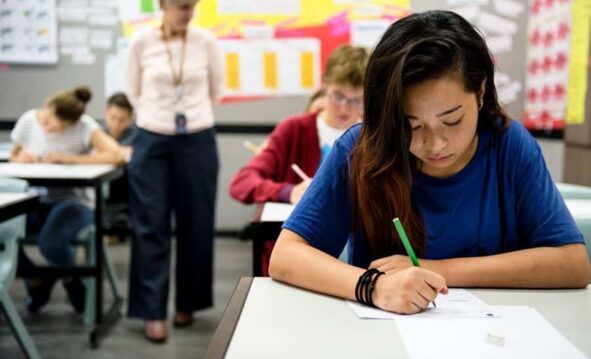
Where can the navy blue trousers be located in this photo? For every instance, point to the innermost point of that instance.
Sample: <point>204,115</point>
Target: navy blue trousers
<point>172,174</point>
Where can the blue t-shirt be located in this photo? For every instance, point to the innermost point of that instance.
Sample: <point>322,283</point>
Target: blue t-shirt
<point>503,200</point>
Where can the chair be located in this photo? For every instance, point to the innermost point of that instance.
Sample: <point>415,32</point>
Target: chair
<point>85,238</point>
<point>10,232</point>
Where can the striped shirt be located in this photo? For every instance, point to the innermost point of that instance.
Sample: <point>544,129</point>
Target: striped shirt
<point>75,140</point>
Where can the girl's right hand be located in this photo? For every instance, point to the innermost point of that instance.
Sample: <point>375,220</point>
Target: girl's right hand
<point>408,291</point>
<point>298,191</point>
<point>25,156</point>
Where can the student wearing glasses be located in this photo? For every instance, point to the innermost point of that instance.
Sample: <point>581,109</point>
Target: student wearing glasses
<point>437,151</point>
<point>306,139</point>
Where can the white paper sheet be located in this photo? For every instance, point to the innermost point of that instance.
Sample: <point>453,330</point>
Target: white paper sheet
<point>463,2</point>
<point>458,303</point>
<point>468,12</point>
<point>499,44</point>
<point>71,14</point>
<point>267,7</point>
<point>367,33</point>
<point>495,24</point>
<point>88,58</point>
<point>276,212</point>
<point>101,39</point>
<point>527,334</point>
<point>511,8</point>
<point>73,35</point>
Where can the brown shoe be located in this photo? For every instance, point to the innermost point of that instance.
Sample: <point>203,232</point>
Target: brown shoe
<point>182,319</point>
<point>155,331</point>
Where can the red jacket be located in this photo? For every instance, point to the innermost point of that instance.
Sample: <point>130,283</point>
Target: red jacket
<point>268,176</point>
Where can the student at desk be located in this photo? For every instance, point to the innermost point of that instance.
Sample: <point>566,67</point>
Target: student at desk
<point>316,103</point>
<point>436,150</point>
<point>305,139</point>
<point>119,122</point>
<point>60,132</point>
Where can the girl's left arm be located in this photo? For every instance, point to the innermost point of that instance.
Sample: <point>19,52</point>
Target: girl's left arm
<point>565,266</point>
<point>105,151</point>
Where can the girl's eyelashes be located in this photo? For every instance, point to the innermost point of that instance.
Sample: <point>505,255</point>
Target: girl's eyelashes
<point>449,124</point>
<point>455,123</point>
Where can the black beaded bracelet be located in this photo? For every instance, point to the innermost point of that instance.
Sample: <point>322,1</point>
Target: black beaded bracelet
<point>372,287</point>
<point>366,285</point>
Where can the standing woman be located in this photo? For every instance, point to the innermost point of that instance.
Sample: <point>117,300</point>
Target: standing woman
<point>174,79</point>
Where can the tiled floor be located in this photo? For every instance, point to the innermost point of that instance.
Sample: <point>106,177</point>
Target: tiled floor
<point>60,333</point>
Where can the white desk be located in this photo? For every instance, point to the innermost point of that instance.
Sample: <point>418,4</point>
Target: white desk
<point>14,204</point>
<point>5,150</point>
<point>54,175</point>
<point>264,229</point>
<point>276,212</point>
<point>574,191</point>
<point>51,174</point>
<point>275,320</point>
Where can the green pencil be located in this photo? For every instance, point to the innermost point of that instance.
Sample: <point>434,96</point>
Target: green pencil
<point>406,242</point>
<point>407,246</point>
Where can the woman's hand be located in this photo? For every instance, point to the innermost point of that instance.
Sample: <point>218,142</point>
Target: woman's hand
<point>408,291</point>
<point>298,191</point>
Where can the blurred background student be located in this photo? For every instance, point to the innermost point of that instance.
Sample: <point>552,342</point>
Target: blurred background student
<point>119,124</point>
<point>119,121</point>
<point>305,139</point>
<point>60,133</point>
<point>316,103</point>
<point>174,80</point>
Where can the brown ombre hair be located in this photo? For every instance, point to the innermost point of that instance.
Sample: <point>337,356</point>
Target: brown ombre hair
<point>417,48</point>
<point>69,106</point>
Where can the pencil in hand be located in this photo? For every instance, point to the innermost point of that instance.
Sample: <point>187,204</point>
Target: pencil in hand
<point>407,245</point>
<point>299,172</point>
<point>251,147</point>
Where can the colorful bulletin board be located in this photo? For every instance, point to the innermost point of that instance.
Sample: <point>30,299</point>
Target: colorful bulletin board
<point>557,61</point>
<point>28,32</point>
<point>278,47</point>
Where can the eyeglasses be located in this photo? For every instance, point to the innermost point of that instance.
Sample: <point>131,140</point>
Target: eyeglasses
<point>338,99</point>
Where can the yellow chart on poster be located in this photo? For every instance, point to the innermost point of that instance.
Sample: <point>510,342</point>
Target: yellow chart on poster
<point>311,13</point>
<point>278,47</point>
<point>579,60</point>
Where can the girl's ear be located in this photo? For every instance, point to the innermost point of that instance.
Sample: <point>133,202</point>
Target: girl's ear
<point>480,95</point>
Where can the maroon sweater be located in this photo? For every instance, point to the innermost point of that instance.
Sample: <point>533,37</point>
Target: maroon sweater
<point>268,176</point>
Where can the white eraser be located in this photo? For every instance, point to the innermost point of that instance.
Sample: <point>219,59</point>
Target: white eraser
<point>496,337</point>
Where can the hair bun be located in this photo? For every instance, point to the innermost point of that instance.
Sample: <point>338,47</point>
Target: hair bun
<point>83,93</point>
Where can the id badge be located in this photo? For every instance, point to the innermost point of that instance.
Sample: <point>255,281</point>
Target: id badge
<point>180,122</point>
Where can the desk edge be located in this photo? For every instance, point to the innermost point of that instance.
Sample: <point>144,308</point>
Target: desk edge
<point>223,335</point>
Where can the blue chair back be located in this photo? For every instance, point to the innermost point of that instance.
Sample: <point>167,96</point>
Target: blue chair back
<point>10,232</point>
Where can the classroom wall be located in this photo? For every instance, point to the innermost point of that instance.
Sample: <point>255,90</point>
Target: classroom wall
<point>23,87</point>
